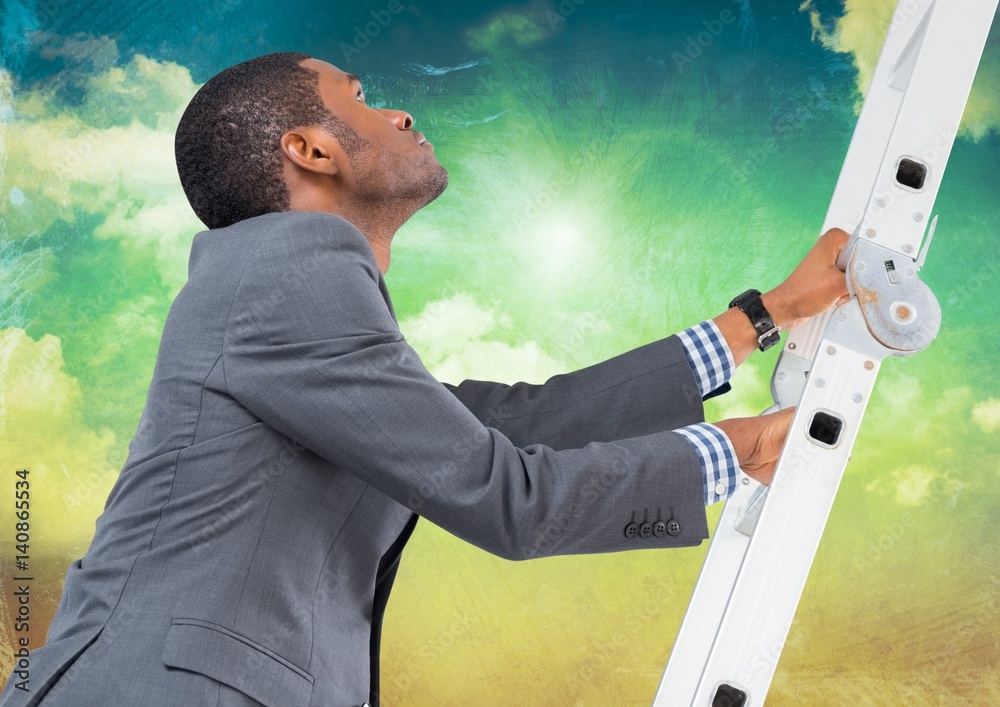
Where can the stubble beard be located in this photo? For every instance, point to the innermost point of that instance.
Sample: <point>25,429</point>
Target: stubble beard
<point>394,180</point>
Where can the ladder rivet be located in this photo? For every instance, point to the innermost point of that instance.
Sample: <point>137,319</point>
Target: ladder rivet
<point>782,376</point>
<point>918,217</point>
<point>791,346</point>
<point>857,397</point>
<point>820,382</point>
<point>831,350</point>
<point>871,231</point>
<point>869,365</point>
<point>907,248</point>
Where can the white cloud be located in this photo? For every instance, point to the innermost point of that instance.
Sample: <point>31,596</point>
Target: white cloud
<point>897,398</point>
<point>458,340</point>
<point>517,25</point>
<point>6,94</point>
<point>6,113</point>
<point>100,51</point>
<point>110,155</point>
<point>913,486</point>
<point>987,415</point>
<point>861,31</point>
<point>45,431</point>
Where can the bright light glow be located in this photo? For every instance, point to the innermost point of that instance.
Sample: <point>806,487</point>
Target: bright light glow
<point>559,243</point>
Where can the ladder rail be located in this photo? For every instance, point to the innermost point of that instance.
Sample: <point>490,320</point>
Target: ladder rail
<point>734,629</point>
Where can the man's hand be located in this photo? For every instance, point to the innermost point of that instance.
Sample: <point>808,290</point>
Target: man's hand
<point>815,285</point>
<point>758,441</point>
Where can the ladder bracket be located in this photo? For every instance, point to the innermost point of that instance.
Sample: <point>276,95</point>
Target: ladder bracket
<point>901,312</point>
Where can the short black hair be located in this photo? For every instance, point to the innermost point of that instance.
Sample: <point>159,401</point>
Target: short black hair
<point>227,144</point>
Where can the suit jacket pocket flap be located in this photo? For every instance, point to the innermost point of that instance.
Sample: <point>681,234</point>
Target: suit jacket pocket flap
<point>224,655</point>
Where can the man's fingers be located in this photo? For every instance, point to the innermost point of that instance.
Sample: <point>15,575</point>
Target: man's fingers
<point>758,441</point>
<point>782,420</point>
<point>837,238</point>
<point>775,433</point>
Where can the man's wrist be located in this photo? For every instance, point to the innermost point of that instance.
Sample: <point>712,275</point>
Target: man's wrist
<point>739,332</point>
<point>779,308</point>
<point>767,332</point>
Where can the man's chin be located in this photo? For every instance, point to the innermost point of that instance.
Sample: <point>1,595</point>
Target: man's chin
<point>442,182</point>
<point>436,183</point>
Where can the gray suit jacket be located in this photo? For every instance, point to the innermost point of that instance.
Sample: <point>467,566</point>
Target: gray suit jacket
<point>290,437</point>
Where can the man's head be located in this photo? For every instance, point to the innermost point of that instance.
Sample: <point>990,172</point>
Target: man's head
<point>285,131</point>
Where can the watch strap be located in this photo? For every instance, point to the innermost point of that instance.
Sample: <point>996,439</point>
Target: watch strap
<point>751,304</point>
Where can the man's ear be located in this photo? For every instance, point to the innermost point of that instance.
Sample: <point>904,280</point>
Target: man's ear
<point>310,149</point>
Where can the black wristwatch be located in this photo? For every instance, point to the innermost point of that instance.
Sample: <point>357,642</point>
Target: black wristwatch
<point>751,305</point>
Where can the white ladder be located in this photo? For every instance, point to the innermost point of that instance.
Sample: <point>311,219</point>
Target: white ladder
<point>735,627</point>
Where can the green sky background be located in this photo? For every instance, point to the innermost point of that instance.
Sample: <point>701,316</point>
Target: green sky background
<point>604,193</point>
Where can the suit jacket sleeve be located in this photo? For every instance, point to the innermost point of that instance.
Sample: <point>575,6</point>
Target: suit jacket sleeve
<point>312,350</point>
<point>649,389</point>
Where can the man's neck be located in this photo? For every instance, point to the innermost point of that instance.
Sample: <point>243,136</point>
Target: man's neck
<point>378,222</point>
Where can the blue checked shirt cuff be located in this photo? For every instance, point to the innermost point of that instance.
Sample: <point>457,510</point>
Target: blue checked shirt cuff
<point>718,459</point>
<point>709,355</point>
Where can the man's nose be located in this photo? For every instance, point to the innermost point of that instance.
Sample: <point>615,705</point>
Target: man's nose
<point>400,118</point>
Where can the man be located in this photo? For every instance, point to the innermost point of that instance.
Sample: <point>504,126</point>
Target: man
<point>290,435</point>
